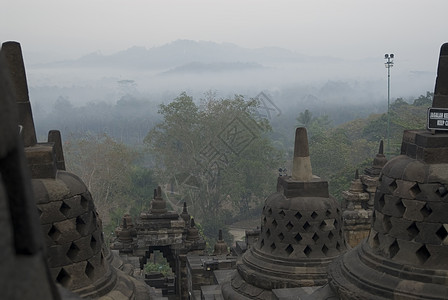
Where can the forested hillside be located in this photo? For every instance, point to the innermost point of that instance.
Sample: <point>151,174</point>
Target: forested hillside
<point>220,155</point>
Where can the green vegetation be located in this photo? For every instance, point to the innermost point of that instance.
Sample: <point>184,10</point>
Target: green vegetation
<point>157,263</point>
<point>217,154</point>
<point>113,175</point>
<point>220,157</point>
<point>336,152</point>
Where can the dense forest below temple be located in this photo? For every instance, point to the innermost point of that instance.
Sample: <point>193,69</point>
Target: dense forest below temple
<point>220,155</point>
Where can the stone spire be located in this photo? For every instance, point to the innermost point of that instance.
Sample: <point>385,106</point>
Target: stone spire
<point>441,88</point>
<point>378,162</point>
<point>370,179</point>
<point>54,136</point>
<point>301,170</point>
<point>124,235</point>
<point>14,61</point>
<point>24,271</point>
<point>355,216</point>
<point>77,256</point>
<point>192,232</point>
<point>185,215</point>
<point>301,233</point>
<point>356,184</point>
<point>158,205</point>
<point>220,246</point>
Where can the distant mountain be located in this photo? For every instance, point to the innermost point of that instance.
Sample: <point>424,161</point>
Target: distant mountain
<point>180,53</point>
<point>198,67</point>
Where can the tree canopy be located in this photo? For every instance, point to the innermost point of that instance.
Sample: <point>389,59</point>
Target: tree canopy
<point>215,154</point>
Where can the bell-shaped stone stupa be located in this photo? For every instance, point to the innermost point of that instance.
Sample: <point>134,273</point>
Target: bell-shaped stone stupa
<point>301,233</point>
<point>406,253</point>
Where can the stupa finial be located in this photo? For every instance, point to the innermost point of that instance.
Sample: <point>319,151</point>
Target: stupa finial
<point>301,169</point>
<point>381,148</point>
<point>440,99</point>
<point>12,54</point>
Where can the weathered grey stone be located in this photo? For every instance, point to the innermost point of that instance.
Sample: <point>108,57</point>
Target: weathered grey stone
<point>159,229</point>
<point>441,88</point>
<point>300,234</point>
<point>13,62</point>
<point>24,271</point>
<point>406,255</point>
<point>54,136</point>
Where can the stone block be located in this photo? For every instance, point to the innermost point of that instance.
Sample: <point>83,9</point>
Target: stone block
<point>372,238</point>
<point>56,189</point>
<point>413,209</point>
<point>12,63</point>
<point>48,240</point>
<point>57,255</point>
<point>409,136</point>
<point>72,276</point>
<point>177,224</point>
<point>386,241</point>
<point>80,249</point>
<point>291,188</point>
<point>415,171</point>
<point>67,231</point>
<point>427,140</point>
<point>86,223</point>
<point>51,212</point>
<point>8,115</point>
<point>77,187</point>
<point>385,185</point>
<point>438,173</point>
<point>433,155</point>
<point>428,233</point>
<point>437,212</point>
<point>41,161</point>
<point>399,228</point>
<point>437,257</point>
<point>393,206</point>
<point>440,101</point>
<point>354,238</point>
<point>377,221</point>
<point>99,267</point>
<point>211,292</point>
<point>409,150</point>
<point>379,201</point>
<point>428,192</point>
<point>40,192</point>
<point>406,252</point>
<point>73,207</point>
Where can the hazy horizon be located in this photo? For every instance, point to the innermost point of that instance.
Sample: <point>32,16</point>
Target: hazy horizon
<point>358,33</point>
<point>53,30</point>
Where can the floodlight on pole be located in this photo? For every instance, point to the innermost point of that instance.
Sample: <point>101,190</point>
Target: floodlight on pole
<point>388,64</point>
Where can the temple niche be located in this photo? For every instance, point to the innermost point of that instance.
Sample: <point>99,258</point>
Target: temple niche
<point>158,229</point>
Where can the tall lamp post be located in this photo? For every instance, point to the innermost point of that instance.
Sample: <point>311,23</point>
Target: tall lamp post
<point>388,64</point>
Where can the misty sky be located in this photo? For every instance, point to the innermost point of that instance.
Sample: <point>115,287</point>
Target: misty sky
<point>59,29</point>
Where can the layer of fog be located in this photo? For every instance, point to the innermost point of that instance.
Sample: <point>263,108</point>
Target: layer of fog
<point>346,87</point>
<point>362,82</point>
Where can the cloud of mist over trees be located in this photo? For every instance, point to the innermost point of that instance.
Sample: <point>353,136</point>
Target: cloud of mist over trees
<point>293,81</point>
